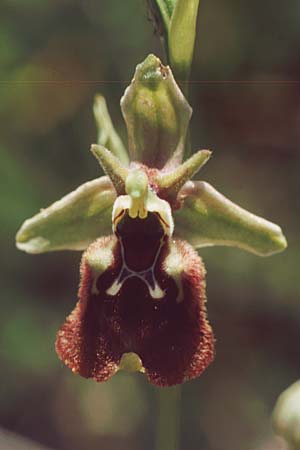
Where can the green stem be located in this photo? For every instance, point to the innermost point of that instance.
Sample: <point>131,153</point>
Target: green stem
<point>168,419</point>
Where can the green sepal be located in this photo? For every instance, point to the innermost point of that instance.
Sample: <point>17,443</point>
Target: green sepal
<point>71,223</point>
<point>107,135</point>
<point>208,218</point>
<point>112,166</point>
<point>181,38</point>
<point>156,115</point>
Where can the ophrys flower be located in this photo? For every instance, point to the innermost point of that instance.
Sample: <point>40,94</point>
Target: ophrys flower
<point>142,298</point>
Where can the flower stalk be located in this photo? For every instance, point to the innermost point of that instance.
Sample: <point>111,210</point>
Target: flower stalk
<point>168,420</point>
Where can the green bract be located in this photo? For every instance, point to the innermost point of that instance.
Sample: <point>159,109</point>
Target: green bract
<point>157,115</point>
<point>179,18</point>
<point>182,34</point>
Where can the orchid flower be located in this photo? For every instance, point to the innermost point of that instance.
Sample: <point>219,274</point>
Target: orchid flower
<point>141,303</point>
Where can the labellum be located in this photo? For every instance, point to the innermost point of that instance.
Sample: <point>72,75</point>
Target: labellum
<point>142,303</point>
<point>142,293</point>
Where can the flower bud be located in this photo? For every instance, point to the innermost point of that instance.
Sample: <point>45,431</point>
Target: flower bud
<point>286,415</point>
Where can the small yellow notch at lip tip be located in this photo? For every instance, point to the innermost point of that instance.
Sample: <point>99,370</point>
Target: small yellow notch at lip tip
<point>131,362</point>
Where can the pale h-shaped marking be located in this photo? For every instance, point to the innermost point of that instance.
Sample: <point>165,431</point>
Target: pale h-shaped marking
<point>147,276</point>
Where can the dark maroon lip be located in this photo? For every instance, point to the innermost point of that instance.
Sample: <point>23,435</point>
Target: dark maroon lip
<point>173,339</point>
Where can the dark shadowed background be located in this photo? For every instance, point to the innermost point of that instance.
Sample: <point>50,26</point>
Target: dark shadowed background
<point>245,92</point>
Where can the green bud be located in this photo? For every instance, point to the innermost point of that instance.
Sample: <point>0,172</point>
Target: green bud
<point>156,115</point>
<point>286,416</point>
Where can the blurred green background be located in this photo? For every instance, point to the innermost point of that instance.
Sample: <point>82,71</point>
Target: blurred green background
<point>245,91</point>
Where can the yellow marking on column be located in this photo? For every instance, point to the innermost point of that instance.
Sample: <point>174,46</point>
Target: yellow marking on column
<point>136,187</point>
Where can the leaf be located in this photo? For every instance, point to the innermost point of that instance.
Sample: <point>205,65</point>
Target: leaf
<point>208,218</point>
<point>71,223</point>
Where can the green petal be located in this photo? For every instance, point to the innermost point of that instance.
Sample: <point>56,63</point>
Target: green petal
<point>208,218</point>
<point>171,182</point>
<point>112,166</point>
<point>107,135</point>
<point>71,223</point>
<point>156,115</point>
